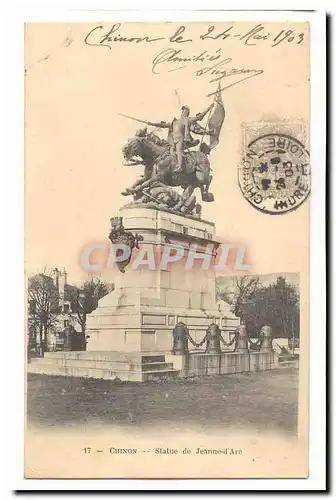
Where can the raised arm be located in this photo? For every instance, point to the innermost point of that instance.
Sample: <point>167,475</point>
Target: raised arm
<point>200,116</point>
<point>159,124</point>
<point>196,128</point>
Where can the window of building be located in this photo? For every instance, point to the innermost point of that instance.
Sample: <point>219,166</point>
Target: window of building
<point>66,308</point>
<point>66,323</point>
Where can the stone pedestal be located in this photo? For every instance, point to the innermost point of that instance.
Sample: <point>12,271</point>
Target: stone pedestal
<point>266,345</point>
<point>261,361</point>
<point>146,305</point>
<point>242,341</point>
<point>213,340</point>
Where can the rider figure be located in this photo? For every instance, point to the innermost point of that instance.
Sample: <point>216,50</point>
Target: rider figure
<point>179,135</point>
<point>143,132</point>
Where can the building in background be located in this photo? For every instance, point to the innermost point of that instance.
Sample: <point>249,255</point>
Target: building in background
<point>52,319</point>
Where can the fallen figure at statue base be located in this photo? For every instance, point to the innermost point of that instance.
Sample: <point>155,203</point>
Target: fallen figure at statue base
<point>163,197</point>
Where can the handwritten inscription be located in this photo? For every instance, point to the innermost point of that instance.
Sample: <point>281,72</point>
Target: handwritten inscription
<point>257,34</point>
<point>175,59</point>
<point>99,36</point>
<point>216,68</point>
<point>215,65</point>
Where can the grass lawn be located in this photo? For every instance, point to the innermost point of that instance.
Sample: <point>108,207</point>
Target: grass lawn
<point>265,401</point>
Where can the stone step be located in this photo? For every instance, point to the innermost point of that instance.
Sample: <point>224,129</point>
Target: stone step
<point>95,373</point>
<point>156,366</point>
<point>153,359</point>
<point>160,374</point>
<point>95,355</point>
<point>104,365</point>
<point>99,373</point>
<point>107,356</point>
<point>88,363</point>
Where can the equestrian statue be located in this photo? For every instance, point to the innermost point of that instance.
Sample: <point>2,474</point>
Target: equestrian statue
<point>172,162</point>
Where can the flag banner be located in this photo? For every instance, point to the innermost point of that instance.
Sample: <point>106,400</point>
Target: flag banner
<point>216,119</point>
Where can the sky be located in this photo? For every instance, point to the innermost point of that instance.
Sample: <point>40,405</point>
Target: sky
<point>74,95</point>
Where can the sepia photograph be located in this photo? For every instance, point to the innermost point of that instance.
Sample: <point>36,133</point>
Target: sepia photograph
<point>167,248</point>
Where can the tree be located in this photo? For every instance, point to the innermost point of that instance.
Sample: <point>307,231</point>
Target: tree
<point>85,298</point>
<point>237,292</point>
<point>285,300</point>
<point>43,304</point>
<point>276,304</point>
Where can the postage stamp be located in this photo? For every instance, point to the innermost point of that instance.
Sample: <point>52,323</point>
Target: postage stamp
<point>274,175</point>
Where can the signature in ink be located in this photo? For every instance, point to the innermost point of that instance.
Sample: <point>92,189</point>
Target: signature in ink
<point>170,60</point>
<point>219,71</point>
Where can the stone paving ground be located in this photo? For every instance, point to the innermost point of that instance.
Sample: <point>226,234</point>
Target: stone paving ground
<point>264,401</point>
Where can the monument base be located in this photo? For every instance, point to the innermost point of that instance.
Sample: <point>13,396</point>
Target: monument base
<point>108,365</point>
<point>133,367</point>
<point>151,296</point>
<point>130,334</point>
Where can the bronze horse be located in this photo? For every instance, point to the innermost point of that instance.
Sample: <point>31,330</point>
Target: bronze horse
<point>159,165</point>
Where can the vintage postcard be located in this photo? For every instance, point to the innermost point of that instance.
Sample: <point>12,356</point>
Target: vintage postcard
<point>167,244</point>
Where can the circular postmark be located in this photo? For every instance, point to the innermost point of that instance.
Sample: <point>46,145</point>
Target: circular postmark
<point>275,173</point>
